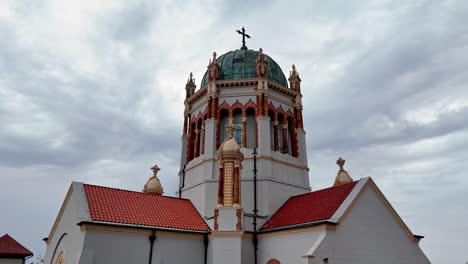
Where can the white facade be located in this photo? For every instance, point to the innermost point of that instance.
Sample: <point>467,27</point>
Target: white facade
<point>88,243</point>
<point>370,232</point>
<point>364,229</point>
<point>280,176</point>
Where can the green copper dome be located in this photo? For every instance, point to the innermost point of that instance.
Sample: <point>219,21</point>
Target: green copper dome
<point>241,64</point>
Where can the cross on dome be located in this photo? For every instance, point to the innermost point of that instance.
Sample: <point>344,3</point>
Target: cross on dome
<point>244,35</point>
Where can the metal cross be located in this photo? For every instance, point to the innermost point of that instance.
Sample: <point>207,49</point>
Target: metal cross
<point>243,37</point>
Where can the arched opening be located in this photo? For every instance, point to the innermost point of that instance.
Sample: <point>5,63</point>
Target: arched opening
<point>281,136</point>
<point>291,137</point>
<point>273,261</point>
<point>237,121</point>
<point>251,128</point>
<point>273,131</point>
<point>290,132</point>
<point>190,147</point>
<point>223,121</point>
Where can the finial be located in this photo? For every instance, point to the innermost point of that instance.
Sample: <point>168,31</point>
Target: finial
<point>342,177</point>
<point>340,163</point>
<point>230,129</point>
<point>155,170</point>
<point>260,50</point>
<point>153,185</point>
<point>214,56</point>
<point>190,79</point>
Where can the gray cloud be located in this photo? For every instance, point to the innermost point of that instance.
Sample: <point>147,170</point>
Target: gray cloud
<point>93,91</point>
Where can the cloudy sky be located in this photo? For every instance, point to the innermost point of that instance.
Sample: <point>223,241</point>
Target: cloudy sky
<point>93,91</point>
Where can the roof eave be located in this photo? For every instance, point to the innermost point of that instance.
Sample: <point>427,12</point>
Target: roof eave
<point>298,226</point>
<point>180,230</point>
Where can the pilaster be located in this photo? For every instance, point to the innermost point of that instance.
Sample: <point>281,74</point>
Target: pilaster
<point>264,140</point>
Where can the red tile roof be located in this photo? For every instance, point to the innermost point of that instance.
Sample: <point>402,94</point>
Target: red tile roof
<point>137,208</point>
<point>11,248</point>
<point>310,207</point>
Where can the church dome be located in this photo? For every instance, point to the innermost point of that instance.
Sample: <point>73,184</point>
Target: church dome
<point>241,64</point>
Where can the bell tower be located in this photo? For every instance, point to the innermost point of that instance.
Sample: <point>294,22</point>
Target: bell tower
<point>246,90</point>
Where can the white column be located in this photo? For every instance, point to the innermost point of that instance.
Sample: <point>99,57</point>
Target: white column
<point>301,145</point>
<point>183,155</point>
<point>210,138</point>
<point>263,123</point>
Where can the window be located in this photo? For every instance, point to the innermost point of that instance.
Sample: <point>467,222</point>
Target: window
<point>238,134</point>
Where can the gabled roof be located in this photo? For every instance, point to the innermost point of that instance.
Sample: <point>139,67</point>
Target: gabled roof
<point>11,248</point>
<point>308,208</point>
<point>109,205</point>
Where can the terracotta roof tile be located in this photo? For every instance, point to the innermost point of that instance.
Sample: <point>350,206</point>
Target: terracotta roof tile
<point>11,247</point>
<point>310,207</point>
<point>137,208</point>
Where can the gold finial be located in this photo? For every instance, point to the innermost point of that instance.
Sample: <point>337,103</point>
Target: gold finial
<point>340,163</point>
<point>153,185</point>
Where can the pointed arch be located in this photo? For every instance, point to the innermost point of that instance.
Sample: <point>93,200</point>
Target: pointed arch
<point>237,105</point>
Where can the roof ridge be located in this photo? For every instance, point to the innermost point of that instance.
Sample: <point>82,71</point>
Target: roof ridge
<point>324,189</point>
<point>131,191</point>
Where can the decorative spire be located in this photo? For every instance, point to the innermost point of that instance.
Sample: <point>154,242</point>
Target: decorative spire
<point>190,86</point>
<point>342,177</point>
<point>190,79</point>
<point>294,79</point>
<point>153,185</point>
<point>261,65</point>
<point>293,72</point>
<point>213,68</point>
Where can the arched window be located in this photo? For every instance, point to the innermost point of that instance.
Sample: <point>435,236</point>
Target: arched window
<point>290,131</point>
<point>191,143</point>
<point>273,261</point>
<point>271,114</point>
<point>238,134</point>
<point>251,128</point>
<point>281,142</point>
<point>237,121</point>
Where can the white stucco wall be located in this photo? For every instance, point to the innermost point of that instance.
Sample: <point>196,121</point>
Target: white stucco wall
<point>71,243</point>
<point>10,261</point>
<point>370,234</point>
<point>288,248</point>
<point>124,248</point>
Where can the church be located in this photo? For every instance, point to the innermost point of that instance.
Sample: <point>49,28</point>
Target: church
<point>244,195</point>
